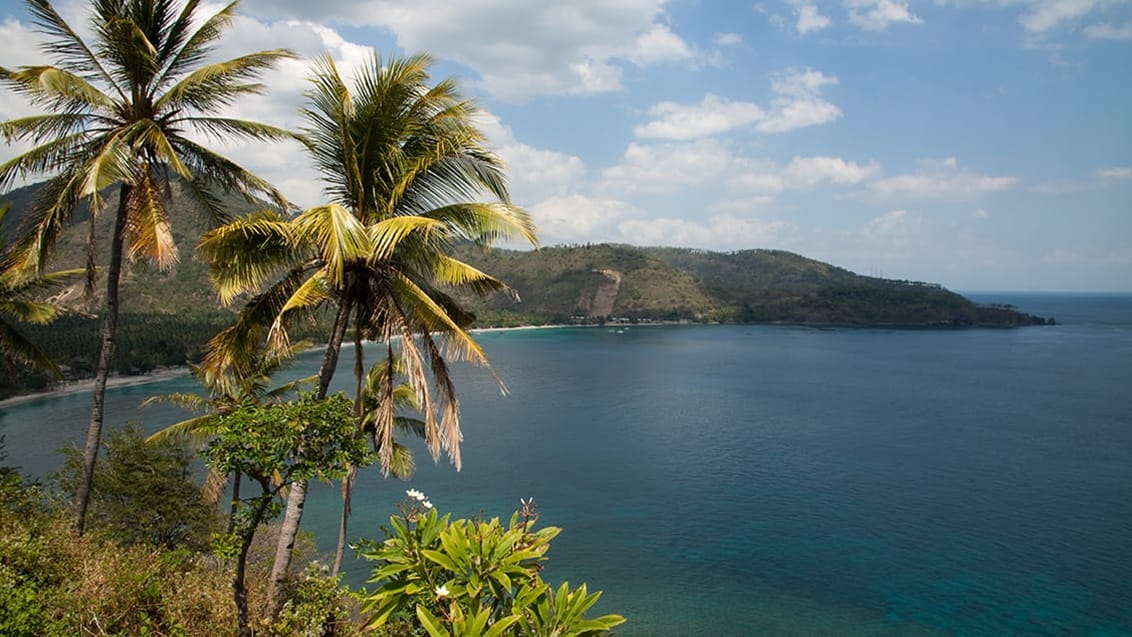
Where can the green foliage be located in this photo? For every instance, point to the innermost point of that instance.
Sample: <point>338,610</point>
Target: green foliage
<point>303,439</point>
<point>144,492</point>
<point>472,578</point>
<point>316,607</point>
<point>54,584</point>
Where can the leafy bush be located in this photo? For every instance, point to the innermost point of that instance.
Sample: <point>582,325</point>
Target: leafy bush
<point>316,607</point>
<point>472,578</point>
<point>144,491</point>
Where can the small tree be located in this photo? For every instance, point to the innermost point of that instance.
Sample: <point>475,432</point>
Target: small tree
<point>473,578</point>
<point>275,445</point>
<point>144,492</point>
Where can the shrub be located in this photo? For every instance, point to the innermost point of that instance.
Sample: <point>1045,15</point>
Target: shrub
<point>467,578</point>
<point>144,492</point>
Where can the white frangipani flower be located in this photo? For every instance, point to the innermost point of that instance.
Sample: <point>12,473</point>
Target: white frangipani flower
<point>426,504</point>
<point>442,591</point>
<point>414,494</point>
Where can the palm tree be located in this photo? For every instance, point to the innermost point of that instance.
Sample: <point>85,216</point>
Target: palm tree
<point>21,300</point>
<point>406,172</point>
<point>121,110</point>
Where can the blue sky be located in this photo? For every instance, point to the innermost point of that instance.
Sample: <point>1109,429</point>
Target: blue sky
<point>981,144</point>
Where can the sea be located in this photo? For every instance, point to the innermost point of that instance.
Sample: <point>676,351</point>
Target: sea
<point>772,480</point>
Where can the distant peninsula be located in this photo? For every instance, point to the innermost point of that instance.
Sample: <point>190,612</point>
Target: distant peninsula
<point>623,283</point>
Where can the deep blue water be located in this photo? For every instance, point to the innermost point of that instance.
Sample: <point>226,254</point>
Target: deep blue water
<point>737,480</point>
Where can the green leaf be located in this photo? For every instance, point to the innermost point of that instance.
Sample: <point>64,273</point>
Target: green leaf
<point>433,625</point>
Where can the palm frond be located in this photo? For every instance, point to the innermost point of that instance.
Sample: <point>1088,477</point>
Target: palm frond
<point>216,86</point>
<point>66,46</point>
<point>193,430</point>
<point>190,402</point>
<point>147,224</point>
<point>338,235</point>
<point>453,272</point>
<point>49,215</point>
<point>487,223</point>
<point>431,317</point>
<point>225,128</point>
<point>29,311</point>
<point>48,127</point>
<point>247,252</point>
<point>387,235</point>
<point>15,346</point>
<point>234,349</point>
<point>227,175</point>
<point>184,48</point>
<point>310,295</point>
<point>401,463</point>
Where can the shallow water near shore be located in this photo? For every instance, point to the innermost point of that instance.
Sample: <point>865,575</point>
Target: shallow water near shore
<point>735,480</point>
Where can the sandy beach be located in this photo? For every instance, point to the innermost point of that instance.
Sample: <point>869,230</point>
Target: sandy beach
<point>86,385</point>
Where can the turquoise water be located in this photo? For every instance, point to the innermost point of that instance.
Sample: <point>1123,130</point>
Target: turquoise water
<point>736,480</point>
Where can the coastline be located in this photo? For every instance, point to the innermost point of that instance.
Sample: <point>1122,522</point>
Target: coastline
<point>86,385</point>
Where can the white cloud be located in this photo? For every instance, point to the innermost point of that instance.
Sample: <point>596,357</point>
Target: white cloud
<point>799,103</point>
<point>667,168</point>
<point>771,16</point>
<point>744,205</point>
<point>535,173</point>
<point>677,167</point>
<point>572,218</point>
<point>727,39</point>
<point>944,178</point>
<point>892,227</point>
<point>811,19</point>
<point>981,214</point>
<point>1118,173</point>
<point>720,232</point>
<point>520,49</point>
<point>659,44</point>
<point>1108,31</point>
<point>811,171</point>
<point>1043,16</point>
<point>878,15</point>
<point>712,116</point>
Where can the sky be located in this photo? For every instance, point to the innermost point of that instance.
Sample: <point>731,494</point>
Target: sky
<point>982,144</point>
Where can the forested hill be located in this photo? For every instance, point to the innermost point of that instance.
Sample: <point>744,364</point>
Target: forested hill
<point>591,282</point>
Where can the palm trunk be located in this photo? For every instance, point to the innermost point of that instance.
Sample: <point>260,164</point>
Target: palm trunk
<point>105,355</point>
<point>347,489</point>
<point>297,498</point>
<point>348,481</point>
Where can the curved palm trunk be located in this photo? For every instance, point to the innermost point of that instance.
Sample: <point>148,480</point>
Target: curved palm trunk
<point>105,355</point>
<point>348,481</point>
<point>297,498</point>
<point>347,490</point>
